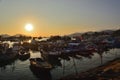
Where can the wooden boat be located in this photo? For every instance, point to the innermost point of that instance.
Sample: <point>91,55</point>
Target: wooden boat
<point>40,64</point>
<point>50,54</point>
<point>10,60</point>
<point>24,55</point>
<point>40,74</point>
<point>7,57</point>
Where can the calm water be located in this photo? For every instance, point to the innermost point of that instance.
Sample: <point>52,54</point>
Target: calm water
<point>20,70</point>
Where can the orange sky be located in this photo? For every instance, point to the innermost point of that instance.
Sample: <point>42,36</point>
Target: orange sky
<point>61,17</point>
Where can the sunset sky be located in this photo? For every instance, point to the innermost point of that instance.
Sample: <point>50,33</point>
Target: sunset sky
<point>58,17</point>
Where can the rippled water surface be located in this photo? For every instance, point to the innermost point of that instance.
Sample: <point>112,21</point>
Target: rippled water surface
<point>20,70</point>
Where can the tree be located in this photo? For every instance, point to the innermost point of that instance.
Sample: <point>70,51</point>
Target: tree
<point>66,38</point>
<point>116,33</point>
<point>54,38</point>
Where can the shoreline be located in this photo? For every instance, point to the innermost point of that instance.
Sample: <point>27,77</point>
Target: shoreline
<point>107,71</point>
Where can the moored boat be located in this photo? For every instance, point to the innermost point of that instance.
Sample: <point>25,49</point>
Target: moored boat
<point>24,55</point>
<point>7,57</point>
<point>40,74</point>
<point>40,64</point>
<point>50,54</point>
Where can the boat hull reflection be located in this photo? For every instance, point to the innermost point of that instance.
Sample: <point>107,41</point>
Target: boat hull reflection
<point>41,74</point>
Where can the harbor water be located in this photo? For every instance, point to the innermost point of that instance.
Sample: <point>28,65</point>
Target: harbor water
<point>20,70</point>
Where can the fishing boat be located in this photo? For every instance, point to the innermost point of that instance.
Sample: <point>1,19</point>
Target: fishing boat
<point>40,74</point>
<point>40,64</point>
<point>6,53</point>
<point>24,55</point>
<point>50,54</point>
<point>7,57</point>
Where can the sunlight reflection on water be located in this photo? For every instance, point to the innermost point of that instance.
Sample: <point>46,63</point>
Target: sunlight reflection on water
<point>19,70</point>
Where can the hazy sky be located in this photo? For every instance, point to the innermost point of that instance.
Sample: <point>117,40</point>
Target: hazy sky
<point>58,17</point>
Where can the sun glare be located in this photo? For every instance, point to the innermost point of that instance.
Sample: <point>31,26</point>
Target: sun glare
<point>28,27</point>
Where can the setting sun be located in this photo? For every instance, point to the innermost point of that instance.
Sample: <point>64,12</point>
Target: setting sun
<point>28,27</point>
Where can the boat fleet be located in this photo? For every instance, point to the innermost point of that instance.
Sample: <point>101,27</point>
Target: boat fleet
<point>55,50</point>
<point>69,48</point>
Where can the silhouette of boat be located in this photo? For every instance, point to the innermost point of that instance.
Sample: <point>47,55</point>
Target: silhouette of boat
<point>7,57</point>
<point>24,55</point>
<point>40,74</point>
<point>40,64</point>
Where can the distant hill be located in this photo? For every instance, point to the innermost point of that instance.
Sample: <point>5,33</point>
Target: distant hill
<point>18,35</point>
<point>75,34</point>
<point>90,32</point>
<point>108,31</point>
<point>4,35</point>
